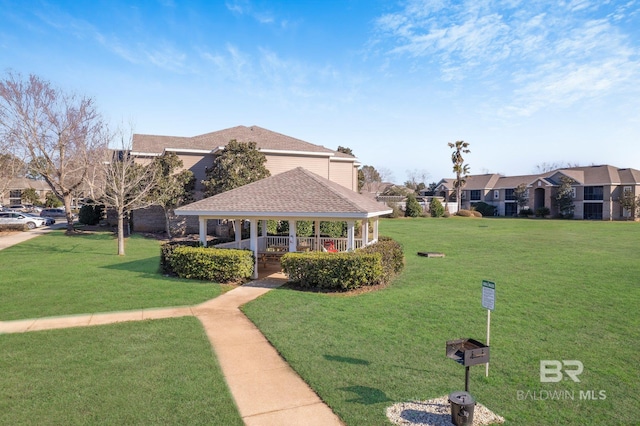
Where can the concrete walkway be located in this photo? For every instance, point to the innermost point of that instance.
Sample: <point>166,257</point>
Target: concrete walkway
<point>265,388</point>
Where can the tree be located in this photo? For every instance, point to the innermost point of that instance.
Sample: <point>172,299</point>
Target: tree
<point>412,207</point>
<point>345,150</point>
<point>239,163</point>
<point>521,195</point>
<point>459,168</point>
<point>416,179</point>
<point>30,196</point>
<point>547,167</point>
<point>436,208</point>
<point>172,189</point>
<point>630,203</point>
<point>58,134</point>
<point>564,197</point>
<point>370,177</point>
<point>51,200</point>
<point>126,185</point>
<point>11,166</point>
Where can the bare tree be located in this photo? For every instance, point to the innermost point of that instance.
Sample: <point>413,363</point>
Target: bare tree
<point>416,179</point>
<point>548,167</point>
<point>123,184</point>
<point>370,177</point>
<point>58,134</point>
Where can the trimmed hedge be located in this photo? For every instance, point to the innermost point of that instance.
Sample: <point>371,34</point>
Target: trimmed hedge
<point>211,264</point>
<point>333,271</point>
<point>166,254</point>
<point>371,265</point>
<point>468,213</point>
<point>392,257</point>
<point>13,227</point>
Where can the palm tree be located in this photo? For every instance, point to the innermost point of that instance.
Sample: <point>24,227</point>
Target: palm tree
<point>459,168</point>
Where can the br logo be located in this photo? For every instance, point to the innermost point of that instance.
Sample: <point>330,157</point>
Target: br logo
<point>551,370</point>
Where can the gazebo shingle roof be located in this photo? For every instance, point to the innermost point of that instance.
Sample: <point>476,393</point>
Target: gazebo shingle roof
<point>295,193</point>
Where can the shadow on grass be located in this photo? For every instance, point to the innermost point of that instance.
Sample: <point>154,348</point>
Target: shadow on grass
<point>366,395</point>
<point>149,266</point>
<point>347,360</point>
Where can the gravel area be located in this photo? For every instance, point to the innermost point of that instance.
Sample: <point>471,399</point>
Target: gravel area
<point>436,412</point>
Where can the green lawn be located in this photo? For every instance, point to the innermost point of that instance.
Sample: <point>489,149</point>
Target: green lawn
<point>150,372</point>
<point>57,274</point>
<point>565,290</point>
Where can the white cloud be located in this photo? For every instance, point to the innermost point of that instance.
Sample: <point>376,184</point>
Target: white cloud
<point>541,53</point>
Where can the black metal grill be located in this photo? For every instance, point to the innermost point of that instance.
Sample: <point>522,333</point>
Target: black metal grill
<point>467,352</point>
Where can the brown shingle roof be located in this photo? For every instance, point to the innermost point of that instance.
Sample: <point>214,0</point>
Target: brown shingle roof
<point>264,139</point>
<point>295,193</point>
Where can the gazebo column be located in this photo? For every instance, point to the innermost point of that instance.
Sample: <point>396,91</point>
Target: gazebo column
<point>264,235</point>
<point>237,225</point>
<point>317,228</point>
<point>375,229</point>
<point>351,226</point>
<point>365,232</point>
<point>293,243</point>
<point>253,233</point>
<point>202,228</point>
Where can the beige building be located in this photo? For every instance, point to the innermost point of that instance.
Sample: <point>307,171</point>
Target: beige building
<point>16,187</point>
<point>283,153</point>
<point>596,191</point>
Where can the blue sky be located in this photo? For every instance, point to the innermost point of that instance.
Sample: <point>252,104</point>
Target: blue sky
<point>524,82</point>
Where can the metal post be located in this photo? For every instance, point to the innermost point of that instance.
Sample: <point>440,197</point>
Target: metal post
<point>466,379</point>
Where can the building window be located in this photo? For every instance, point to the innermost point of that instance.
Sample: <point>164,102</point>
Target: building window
<point>510,209</point>
<point>15,196</point>
<point>594,193</point>
<point>627,190</point>
<point>593,211</point>
<point>475,194</point>
<point>573,192</point>
<point>496,194</point>
<point>509,194</point>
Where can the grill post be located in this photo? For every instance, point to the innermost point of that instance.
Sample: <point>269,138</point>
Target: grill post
<point>466,379</point>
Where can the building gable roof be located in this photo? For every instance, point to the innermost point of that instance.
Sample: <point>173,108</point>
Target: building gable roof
<point>295,193</point>
<point>266,140</point>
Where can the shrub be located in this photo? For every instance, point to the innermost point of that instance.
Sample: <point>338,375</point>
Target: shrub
<point>166,254</point>
<point>465,213</point>
<point>333,229</point>
<point>484,208</point>
<point>542,211</point>
<point>333,271</point>
<point>436,208</point>
<point>525,212</point>
<point>13,227</point>
<point>211,264</point>
<point>91,214</point>
<point>476,213</point>
<point>392,257</point>
<point>412,207</point>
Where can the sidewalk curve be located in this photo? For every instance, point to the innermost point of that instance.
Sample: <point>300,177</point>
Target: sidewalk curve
<point>267,391</point>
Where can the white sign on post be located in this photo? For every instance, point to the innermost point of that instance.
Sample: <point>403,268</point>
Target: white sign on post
<point>488,295</point>
<point>489,303</point>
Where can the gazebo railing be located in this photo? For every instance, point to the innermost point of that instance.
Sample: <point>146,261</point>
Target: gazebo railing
<point>303,243</point>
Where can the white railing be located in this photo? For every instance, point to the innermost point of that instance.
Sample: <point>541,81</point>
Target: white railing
<point>302,243</point>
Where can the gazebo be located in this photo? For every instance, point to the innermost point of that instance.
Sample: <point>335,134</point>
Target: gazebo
<point>294,195</point>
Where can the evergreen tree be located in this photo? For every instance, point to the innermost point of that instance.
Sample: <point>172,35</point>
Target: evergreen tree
<point>239,164</point>
<point>564,197</point>
<point>412,208</point>
<point>436,208</point>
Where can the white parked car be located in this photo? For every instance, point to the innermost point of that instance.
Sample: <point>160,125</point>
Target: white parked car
<point>18,218</point>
